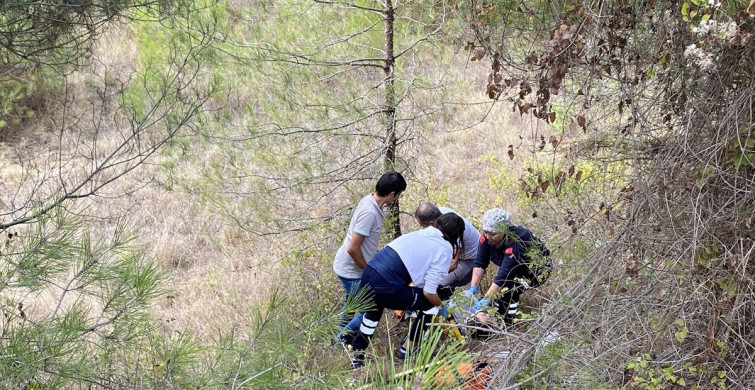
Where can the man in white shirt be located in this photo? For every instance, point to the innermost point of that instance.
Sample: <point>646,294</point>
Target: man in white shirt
<point>361,241</point>
<point>460,273</point>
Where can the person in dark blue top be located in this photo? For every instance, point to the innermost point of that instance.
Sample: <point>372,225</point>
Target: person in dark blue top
<point>516,251</point>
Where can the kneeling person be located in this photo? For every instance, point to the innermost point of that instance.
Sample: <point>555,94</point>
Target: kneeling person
<point>517,252</point>
<point>420,259</point>
<point>460,272</point>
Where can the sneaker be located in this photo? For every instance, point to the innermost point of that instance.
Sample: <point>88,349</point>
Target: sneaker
<point>345,338</point>
<point>357,362</point>
<point>401,353</point>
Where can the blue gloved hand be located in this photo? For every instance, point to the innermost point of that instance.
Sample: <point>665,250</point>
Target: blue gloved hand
<point>481,304</point>
<point>443,312</point>
<point>472,289</point>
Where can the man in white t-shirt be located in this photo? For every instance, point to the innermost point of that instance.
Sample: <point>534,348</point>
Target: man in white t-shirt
<point>362,239</point>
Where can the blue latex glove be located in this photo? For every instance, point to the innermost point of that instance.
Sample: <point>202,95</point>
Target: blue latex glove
<point>443,312</point>
<point>472,289</point>
<point>482,303</point>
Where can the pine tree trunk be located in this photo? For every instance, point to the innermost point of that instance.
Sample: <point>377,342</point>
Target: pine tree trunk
<point>390,112</point>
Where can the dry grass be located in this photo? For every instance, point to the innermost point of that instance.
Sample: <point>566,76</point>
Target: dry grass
<point>218,271</point>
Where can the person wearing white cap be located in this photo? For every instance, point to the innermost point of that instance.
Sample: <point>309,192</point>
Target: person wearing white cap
<point>517,252</point>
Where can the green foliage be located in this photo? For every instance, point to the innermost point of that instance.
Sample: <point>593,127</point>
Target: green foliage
<point>173,82</point>
<point>436,365</point>
<point>11,111</point>
<point>683,331</point>
<point>741,153</point>
<point>648,374</point>
<point>170,360</point>
<point>287,345</point>
<point>98,293</point>
<point>500,179</point>
<point>58,34</point>
<point>25,98</point>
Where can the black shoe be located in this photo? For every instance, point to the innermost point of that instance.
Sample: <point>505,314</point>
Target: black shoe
<point>401,353</point>
<point>357,362</point>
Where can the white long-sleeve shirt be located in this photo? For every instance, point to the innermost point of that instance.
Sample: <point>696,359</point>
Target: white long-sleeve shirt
<point>426,255</point>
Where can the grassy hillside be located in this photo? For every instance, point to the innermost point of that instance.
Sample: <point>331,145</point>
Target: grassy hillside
<point>226,208</point>
<point>171,207</point>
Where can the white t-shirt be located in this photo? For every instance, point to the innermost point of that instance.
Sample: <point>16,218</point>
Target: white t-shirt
<point>426,255</point>
<point>471,236</point>
<point>367,221</point>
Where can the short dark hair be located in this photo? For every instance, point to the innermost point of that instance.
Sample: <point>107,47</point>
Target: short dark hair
<point>390,181</point>
<point>427,213</point>
<point>452,227</point>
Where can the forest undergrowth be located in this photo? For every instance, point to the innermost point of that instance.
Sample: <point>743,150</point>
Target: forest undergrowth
<point>171,203</point>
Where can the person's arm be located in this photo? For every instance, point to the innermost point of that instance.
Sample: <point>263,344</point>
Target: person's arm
<point>354,249</point>
<point>494,288</point>
<point>477,273</point>
<point>481,262</point>
<point>433,298</point>
<point>454,260</point>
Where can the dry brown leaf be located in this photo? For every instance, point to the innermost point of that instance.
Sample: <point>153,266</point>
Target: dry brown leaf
<point>479,53</point>
<point>582,122</point>
<point>525,108</point>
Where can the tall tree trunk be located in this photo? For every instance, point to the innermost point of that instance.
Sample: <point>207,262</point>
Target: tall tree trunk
<point>390,111</point>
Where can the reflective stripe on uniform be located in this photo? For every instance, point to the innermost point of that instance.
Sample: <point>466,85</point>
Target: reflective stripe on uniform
<point>368,326</point>
<point>513,307</point>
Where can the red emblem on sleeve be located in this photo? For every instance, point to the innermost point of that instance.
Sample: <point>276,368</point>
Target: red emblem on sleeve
<point>482,238</point>
<point>509,251</point>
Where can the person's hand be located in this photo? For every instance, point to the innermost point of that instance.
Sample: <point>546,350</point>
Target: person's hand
<point>469,294</point>
<point>472,289</point>
<point>482,303</point>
